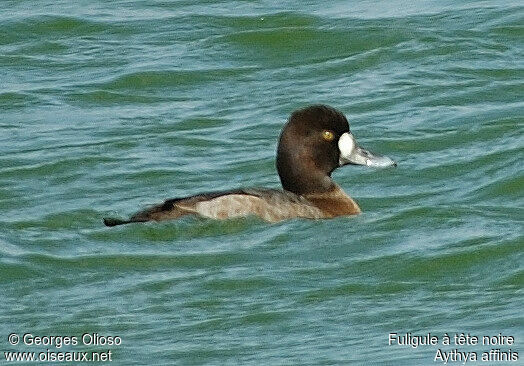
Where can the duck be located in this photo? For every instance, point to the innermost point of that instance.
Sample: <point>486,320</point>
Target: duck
<point>314,142</point>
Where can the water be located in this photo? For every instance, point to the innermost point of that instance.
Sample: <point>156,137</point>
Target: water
<point>107,107</point>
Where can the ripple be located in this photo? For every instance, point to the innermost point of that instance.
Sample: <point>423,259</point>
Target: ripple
<point>13,100</point>
<point>104,97</point>
<point>243,285</point>
<point>459,261</point>
<point>305,42</point>
<point>53,26</point>
<point>162,79</point>
<point>134,262</point>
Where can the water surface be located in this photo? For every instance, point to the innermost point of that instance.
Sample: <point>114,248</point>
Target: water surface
<point>107,107</point>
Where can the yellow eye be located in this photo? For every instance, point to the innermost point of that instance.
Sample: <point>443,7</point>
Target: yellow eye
<point>328,135</point>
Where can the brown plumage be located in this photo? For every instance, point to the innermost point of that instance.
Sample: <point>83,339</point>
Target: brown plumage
<point>315,141</point>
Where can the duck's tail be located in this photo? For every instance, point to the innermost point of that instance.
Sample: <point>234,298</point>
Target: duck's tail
<point>111,221</point>
<point>164,211</point>
<point>142,216</point>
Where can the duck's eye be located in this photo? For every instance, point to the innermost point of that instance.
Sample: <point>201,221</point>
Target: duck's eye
<point>328,135</point>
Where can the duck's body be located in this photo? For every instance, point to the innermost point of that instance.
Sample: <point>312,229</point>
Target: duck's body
<point>314,142</point>
<point>271,205</point>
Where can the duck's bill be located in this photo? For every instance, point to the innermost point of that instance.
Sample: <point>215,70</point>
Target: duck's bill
<point>351,153</point>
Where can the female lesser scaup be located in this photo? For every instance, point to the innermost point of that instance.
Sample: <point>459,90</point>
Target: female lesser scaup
<point>315,141</point>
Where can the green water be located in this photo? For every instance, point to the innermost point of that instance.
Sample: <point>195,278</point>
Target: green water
<point>107,107</point>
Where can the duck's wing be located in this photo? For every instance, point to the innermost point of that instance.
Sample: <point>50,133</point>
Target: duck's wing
<point>170,209</point>
<point>269,204</point>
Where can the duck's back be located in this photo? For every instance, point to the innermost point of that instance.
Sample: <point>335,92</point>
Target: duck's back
<point>269,204</point>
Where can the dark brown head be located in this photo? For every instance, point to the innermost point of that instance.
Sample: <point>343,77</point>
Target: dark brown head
<point>314,142</point>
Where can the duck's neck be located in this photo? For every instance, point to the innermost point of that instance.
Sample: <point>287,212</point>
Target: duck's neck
<point>302,178</point>
<point>335,202</point>
<point>319,189</point>
<point>307,184</point>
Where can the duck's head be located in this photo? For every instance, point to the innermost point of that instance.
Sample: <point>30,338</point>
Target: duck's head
<point>315,141</point>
